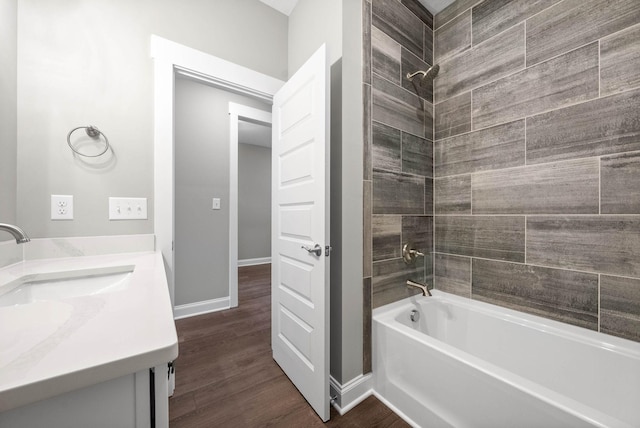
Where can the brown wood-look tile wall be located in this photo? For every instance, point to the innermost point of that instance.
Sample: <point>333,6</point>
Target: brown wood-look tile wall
<point>397,39</point>
<point>537,158</point>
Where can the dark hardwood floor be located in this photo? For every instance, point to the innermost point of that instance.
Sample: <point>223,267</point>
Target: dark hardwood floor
<point>226,377</point>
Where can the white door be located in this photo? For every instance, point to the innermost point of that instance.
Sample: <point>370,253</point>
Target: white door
<point>300,219</point>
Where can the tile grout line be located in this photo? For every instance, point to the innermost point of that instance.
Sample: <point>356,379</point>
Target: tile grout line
<point>599,274</point>
<point>531,165</point>
<point>506,29</point>
<point>410,174</point>
<point>603,216</point>
<point>525,239</point>
<point>471,29</point>
<point>401,157</point>
<point>525,44</point>
<point>525,141</point>
<point>599,185</point>
<point>398,129</point>
<point>524,166</point>
<point>455,16</point>
<point>616,33</point>
<point>396,85</point>
<point>515,71</point>
<point>599,317</point>
<point>538,265</point>
<point>470,112</point>
<point>370,146</point>
<point>599,70</point>
<point>470,195</point>
<point>471,277</point>
<point>635,88</point>
<point>433,158</point>
<point>525,50</point>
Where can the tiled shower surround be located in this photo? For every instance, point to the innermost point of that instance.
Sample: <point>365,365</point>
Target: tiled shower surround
<point>536,156</point>
<point>398,154</point>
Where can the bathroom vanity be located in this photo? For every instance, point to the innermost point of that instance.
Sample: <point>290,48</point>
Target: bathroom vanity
<point>86,341</point>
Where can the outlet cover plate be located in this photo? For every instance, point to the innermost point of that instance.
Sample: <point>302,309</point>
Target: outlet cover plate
<point>127,208</point>
<point>61,207</point>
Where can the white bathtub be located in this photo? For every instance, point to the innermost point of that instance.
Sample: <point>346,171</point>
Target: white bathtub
<point>471,364</point>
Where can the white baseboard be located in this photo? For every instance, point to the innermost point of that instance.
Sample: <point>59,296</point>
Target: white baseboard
<point>199,308</point>
<point>395,410</point>
<point>252,262</point>
<point>352,393</point>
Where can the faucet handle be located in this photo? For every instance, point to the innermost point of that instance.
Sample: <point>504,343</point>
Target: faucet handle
<point>410,254</point>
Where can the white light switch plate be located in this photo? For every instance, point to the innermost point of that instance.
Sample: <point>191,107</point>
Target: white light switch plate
<point>127,208</point>
<point>216,203</point>
<point>61,207</point>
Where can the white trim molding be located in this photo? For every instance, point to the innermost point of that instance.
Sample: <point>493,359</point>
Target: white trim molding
<point>199,308</point>
<point>395,410</point>
<point>346,397</point>
<point>253,262</point>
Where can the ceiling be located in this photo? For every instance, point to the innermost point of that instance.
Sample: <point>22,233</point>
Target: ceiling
<point>254,134</point>
<point>286,6</point>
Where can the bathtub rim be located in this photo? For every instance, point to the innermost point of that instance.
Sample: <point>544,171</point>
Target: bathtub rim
<point>386,316</point>
<point>611,343</point>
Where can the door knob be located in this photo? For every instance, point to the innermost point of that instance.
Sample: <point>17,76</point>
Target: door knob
<point>317,250</point>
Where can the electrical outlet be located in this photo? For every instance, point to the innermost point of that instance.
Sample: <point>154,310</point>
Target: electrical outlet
<point>127,208</point>
<point>61,207</point>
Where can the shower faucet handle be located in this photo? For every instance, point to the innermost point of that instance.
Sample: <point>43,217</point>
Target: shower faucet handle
<point>410,254</point>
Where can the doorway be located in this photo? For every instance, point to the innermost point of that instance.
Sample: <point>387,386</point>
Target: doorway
<point>206,167</point>
<point>300,207</point>
<point>170,60</point>
<point>249,190</point>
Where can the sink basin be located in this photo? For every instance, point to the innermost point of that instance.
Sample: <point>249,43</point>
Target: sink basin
<point>62,285</point>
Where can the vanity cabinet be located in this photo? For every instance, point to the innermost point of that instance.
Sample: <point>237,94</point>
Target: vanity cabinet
<point>89,345</point>
<point>124,402</point>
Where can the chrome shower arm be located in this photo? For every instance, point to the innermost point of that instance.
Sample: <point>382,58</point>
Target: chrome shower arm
<point>410,76</point>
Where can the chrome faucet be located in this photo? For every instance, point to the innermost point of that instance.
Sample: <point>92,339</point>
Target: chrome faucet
<point>423,287</point>
<point>16,232</point>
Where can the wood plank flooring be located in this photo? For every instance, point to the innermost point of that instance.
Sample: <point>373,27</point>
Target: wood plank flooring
<point>226,377</point>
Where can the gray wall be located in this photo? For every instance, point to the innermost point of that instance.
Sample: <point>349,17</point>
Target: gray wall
<point>202,173</point>
<point>311,24</point>
<point>537,179</point>
<point>337,23</point>
<point>8,94</point>
<point>398,149</point>
<point>254,202</point>
<point>88,62</point>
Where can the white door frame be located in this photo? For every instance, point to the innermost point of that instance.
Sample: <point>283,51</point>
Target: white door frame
<point>170,58</point>
<point>237,112</point>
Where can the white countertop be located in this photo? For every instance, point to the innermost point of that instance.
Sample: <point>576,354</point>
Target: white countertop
<point>52,347</point>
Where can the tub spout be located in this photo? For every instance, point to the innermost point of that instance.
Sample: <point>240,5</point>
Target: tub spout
<point>423,287</point>
<point>16,232</point>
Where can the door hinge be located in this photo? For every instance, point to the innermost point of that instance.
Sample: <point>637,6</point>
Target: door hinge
<point>327,250</point>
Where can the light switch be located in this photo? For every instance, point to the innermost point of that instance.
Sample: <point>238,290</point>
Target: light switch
<point>216,203</point>
<point>61,207</point>
<point>127,208</point>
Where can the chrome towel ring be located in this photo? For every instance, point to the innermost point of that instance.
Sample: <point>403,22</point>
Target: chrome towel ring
<point>92,132</point>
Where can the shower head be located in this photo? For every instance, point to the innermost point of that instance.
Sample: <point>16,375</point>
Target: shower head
<point>427,76</point>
